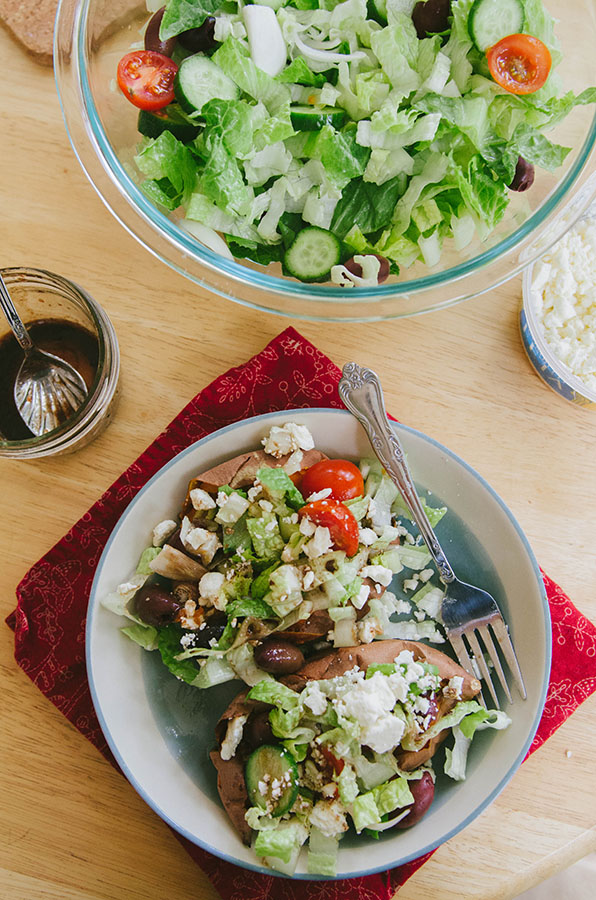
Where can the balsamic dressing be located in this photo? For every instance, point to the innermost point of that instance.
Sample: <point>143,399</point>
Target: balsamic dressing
<point>71,342</point>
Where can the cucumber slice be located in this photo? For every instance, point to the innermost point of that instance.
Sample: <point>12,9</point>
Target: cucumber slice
<point>491,20</point>
<point>199,80</point>
<point>312,253</point>
<point>152,124</point>
<point>308,118</point>
<point>273,768</point>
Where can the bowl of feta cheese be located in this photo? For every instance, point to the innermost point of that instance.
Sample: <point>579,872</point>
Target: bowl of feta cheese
<point>161,729</point>
<point>558,316</point>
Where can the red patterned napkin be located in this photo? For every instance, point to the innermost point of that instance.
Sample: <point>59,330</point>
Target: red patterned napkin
<point>49,621</point>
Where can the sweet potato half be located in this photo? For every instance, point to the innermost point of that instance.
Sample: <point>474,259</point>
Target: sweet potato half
<point>230,773</point>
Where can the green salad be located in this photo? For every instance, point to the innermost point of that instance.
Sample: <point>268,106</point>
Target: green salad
<point>309,132</point>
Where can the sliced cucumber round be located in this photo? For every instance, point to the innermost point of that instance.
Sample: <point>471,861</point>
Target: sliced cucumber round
<point>271,776</point>
<point>309,118</point>
<point>152,124</point>
<point>199,80</point>
<point>312,253</point>
<point>491,20</point>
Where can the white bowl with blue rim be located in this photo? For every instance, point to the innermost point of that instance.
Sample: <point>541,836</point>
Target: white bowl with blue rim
<point>161,730</point>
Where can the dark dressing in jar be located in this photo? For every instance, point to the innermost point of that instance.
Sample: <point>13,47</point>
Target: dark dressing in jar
<point>69,341</point>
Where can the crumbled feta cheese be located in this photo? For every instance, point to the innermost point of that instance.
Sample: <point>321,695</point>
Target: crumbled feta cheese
<point>368,628</point>
<point>210,587</point>
<point>380,574</point>
<point>453,689</point>
<point>319,544</point>
<point>162,531</point>
<point>191,618</point>
<point>266,505</point>
<point>294,464</point>
<point>319,495</point>
<point>255,491</point>
<point>361,597</point>
<point>421,705</point>
<point>201,500</point>
<point>229,745</point>
<point>286,439</point>
<point>329,817</point>
<point>370,702</point>
<point>308,578</point>
<point>568,754</point>
<point>128,589</point>
<point>199,540</point>
<point>409,538</point>
<point>233,506</point>
<point>307,527</point>
<point>367,536</point>
<point>187,640</point>
<point>410,584</point>
<point>425,575</point>
<point>313,697</point>
<point>563,296</point>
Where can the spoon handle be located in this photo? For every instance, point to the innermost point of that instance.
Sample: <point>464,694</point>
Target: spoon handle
<point>360,391</point>
<point>13,318</point>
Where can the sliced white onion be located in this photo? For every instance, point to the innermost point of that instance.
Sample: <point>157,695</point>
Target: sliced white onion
<point>207,236</point>
<point>383,826</point>
<point>268,49</point>
<point>325,56</point>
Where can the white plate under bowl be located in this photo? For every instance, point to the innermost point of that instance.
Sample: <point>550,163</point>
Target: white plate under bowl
<point>161,730</point>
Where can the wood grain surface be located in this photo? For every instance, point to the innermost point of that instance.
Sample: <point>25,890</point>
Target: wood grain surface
<point>72,828</point>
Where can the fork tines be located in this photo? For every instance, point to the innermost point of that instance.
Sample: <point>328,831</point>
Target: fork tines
<point>471,632</point>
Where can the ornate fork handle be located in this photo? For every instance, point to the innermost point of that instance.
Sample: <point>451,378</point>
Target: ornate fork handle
<point>360,391</point>
<point>14,320</point>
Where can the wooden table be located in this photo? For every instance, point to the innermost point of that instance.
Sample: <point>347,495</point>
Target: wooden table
<point>73,828</point>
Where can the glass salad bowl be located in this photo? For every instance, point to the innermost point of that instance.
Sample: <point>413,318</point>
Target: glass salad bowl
<point>91,37</point>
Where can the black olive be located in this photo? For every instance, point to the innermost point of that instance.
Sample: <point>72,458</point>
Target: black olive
<point>278,656</point>
<point>212,630</point>
<point>155,606</point>
<point>152,38</point>
<point>431,17</point>
<point>524,175</point>
<point>200,39</point>
<point>258,729</point>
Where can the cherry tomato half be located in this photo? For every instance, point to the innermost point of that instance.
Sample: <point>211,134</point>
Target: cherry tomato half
<point>336,764</point>
<point>343,527</point>
<point>146,78</point>
<point>520,63</point>
<point>343,477</point>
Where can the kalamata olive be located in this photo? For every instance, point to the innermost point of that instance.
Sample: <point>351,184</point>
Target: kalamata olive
<point>431,17</point>
<point>524,175</point>
<point>212,630</point>
<point>356,269</point>
<point>152,38</point>
<point>278,656</point>
<point>258,731</point>
<point>423,792</point>
<point>155,606</point>
<point>200,39</point>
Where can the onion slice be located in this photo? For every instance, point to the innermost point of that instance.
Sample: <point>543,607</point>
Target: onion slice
<point>268,49</point>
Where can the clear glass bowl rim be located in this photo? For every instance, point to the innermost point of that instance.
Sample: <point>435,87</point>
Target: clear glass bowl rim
<point>262,281</point>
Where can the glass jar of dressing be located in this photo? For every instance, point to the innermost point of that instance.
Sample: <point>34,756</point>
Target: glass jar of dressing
<point>64,320</point>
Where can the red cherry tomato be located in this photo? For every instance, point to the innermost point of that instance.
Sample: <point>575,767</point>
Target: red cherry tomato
<point>343,527</point>
<point>343,477</point>
<point>520,63</point>
<point>146,78</point>
<point>336,764</point>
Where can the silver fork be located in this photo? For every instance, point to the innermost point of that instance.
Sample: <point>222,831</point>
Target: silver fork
<point>467,611</point>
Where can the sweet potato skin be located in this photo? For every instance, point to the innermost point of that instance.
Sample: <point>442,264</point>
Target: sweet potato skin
<point>241,471</point>
<point>330,665</point>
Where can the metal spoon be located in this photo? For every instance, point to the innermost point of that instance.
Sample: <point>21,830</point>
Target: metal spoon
<point>47,390</point>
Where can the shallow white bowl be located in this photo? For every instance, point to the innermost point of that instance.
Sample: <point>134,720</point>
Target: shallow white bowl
<point>161,730</point>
